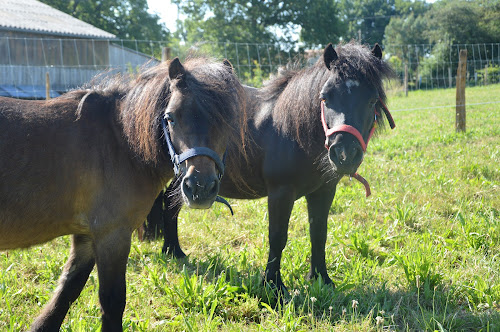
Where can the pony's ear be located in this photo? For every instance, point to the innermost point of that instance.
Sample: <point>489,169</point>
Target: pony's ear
<point>94,105</point>
<point>377,51</point>
<point>329,55</point>
<point>176,69</point>
<point>228,65</point>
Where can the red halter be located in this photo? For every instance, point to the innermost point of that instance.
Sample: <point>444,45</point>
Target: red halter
<point>353,131</point>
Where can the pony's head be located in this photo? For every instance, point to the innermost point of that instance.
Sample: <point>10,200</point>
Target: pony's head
<point>186,113</point>
<point>352,102</point>
<point>198,124</point>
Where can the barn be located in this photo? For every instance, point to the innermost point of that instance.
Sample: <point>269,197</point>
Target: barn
<point>38,42</point>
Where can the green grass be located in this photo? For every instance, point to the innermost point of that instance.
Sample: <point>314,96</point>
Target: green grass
<point>421,254</point>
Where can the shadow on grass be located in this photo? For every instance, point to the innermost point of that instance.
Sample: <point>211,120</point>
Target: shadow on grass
<point>348,303</point>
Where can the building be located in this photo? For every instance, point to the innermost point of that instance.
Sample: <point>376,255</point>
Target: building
<point>36,39</point>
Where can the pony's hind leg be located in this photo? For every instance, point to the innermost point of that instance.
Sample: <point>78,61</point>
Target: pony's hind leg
<point>72,280</point>
<point>111,252</point>
<point>171,244</point>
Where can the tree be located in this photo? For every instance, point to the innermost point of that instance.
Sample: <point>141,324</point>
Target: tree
<point>410,25</point>
<point>455,22</point>
<point>367,18</point>
<point>224,21</point>
<point>407,30</point>
<point>257,21</point>
<point>465,22</point>
<point>489,19</point>
<point>231,28</point>
<point>319,21</point>
<point>444,24</point>
<point>127,19</point>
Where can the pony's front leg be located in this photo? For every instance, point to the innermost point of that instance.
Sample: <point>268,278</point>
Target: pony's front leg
<point>318,206</point>
<point>72,280</point>
<point>112,252</point>
<point>280,203</point>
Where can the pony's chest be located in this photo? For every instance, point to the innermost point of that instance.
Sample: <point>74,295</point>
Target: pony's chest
<point>287,163</point>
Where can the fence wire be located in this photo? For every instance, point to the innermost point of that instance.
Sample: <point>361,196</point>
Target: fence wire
<point>71,63</point>
<point>435,66</point>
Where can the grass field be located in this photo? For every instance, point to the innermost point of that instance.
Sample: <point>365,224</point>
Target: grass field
<point>421,254</point>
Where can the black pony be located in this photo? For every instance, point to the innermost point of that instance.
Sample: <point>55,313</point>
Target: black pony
<point>341,98</point>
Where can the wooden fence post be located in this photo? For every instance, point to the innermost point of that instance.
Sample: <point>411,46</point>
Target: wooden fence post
<point>460,101</point>
<point>450,80</point>
<point>406,80</point>
<point>47,86</point>
<point>165,54</point>
<point>485,79</point>
<point>417,80</point>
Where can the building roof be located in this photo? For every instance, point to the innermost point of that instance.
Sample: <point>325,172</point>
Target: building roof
<point>37,17</point>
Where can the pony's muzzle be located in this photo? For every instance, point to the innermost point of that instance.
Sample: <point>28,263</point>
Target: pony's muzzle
<point>199,191</point>
<point>345,154</point>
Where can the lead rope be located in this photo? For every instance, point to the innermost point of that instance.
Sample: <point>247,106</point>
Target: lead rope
<point>393,125</point>
<point>357,134</point>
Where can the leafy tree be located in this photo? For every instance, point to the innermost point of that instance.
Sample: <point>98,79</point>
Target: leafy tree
<point>410,25</point>
<point>465,22</point>
<point>445,23</point>
<point>210,24</point>
<point>257,21</point>
<point>455,22</point>
<point>407,7</point>
<point>371,17</point>
<point>225,21</point>
<point>319,21</point>
<point>368,18</point>
<point>407,30</point>
<point>127,19</point>
<point>489,19</point>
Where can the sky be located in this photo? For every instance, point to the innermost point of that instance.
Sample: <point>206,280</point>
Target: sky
<point>166,10</point>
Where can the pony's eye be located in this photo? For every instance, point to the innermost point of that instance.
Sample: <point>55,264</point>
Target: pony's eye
<point>170,119</point>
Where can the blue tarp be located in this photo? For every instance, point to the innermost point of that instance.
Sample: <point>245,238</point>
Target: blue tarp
<point>14,91</point>
<point>4,93</point>
<point>26,91</point>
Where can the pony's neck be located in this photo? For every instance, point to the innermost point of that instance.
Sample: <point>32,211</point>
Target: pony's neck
<point>296,111</point>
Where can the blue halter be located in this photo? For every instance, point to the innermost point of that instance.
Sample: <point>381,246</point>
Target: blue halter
<point>178,159</point>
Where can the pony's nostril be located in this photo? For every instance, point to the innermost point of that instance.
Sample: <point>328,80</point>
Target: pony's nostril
<point>187,187</point>
<point>211,187</point>
<point>341,154</point>
<point>357,153</point>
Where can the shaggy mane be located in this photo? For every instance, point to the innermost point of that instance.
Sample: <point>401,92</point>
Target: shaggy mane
<point>210,83</point>
<point>296,112</point>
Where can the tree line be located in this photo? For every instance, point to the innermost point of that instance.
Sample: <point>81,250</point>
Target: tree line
<point>296,25</point>
<point>310,23</point>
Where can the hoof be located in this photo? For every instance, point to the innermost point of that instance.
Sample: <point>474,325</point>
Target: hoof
<point>276,295</point>
<point>174,251</point>
<point>324,278</point>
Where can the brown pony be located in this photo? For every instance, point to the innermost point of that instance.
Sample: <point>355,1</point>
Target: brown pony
<point>91,162</point>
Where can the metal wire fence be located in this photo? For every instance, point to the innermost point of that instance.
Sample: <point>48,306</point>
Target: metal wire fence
<point>25,62</point>
<point>435,66</point>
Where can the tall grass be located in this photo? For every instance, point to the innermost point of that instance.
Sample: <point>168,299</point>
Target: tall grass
<point>421,254</point>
